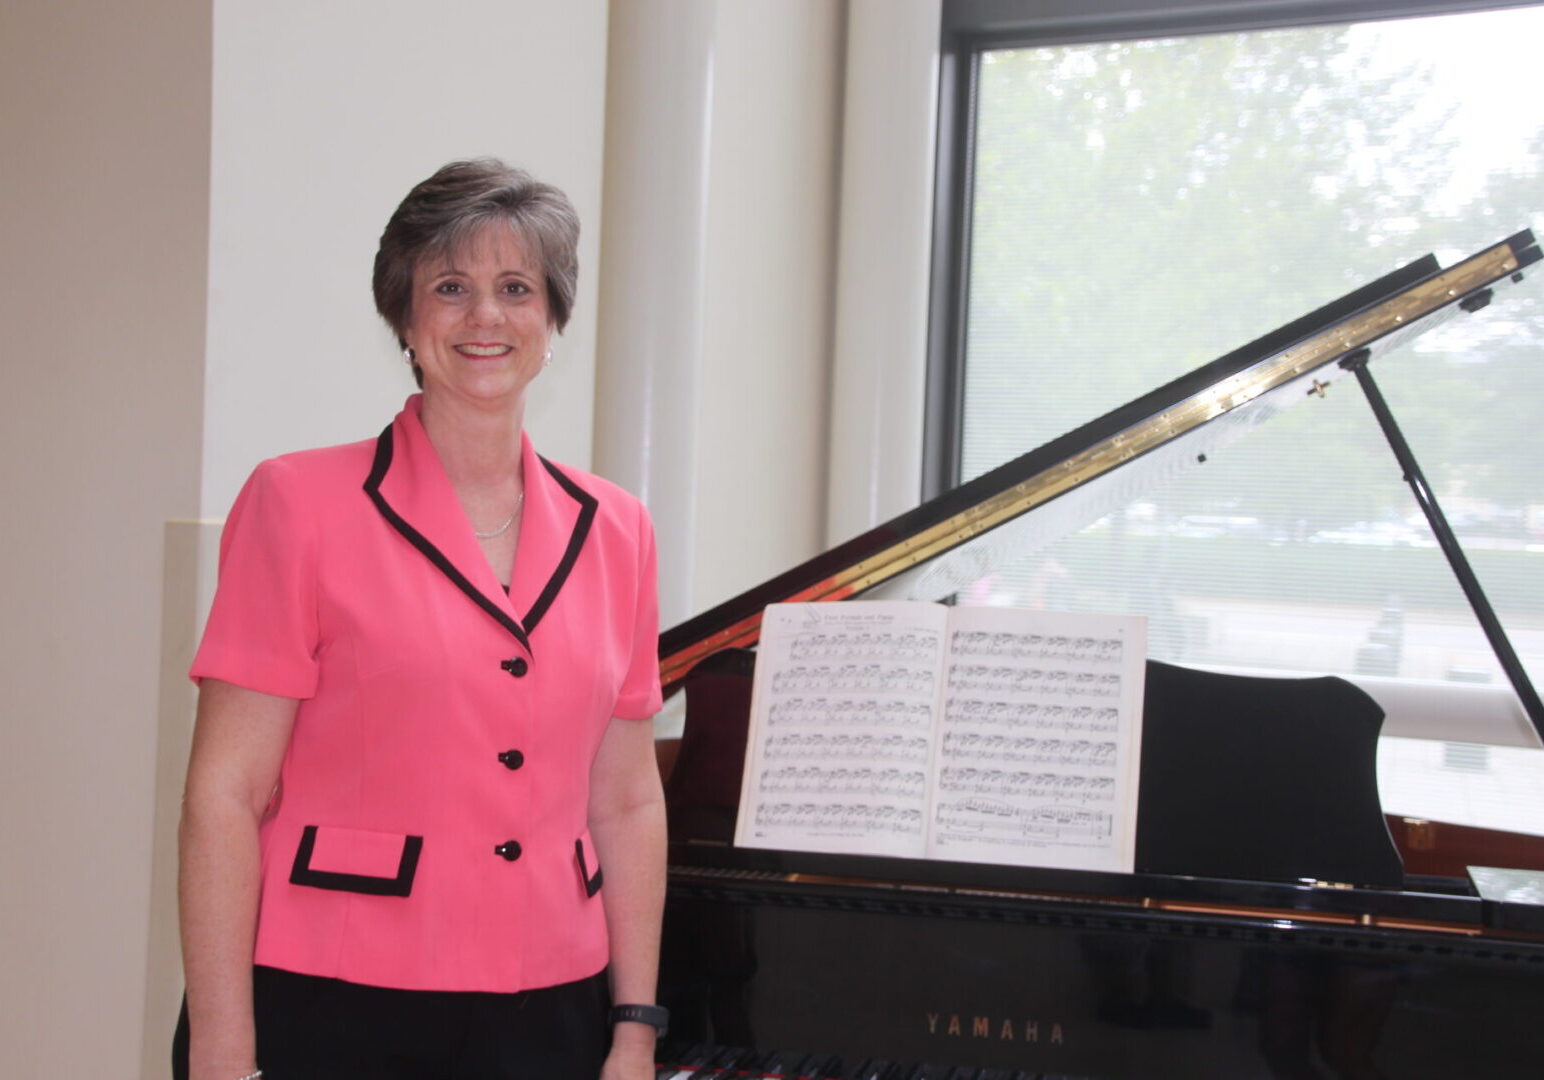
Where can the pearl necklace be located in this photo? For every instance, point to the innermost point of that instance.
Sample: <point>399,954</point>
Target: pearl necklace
<point>502,529</point>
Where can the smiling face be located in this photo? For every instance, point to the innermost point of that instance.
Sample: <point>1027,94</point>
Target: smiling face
<point>480,319</point>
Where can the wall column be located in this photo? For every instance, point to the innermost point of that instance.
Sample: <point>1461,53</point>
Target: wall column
<point>659,106</point>
<point>713,366</point>
<point>880,351</point>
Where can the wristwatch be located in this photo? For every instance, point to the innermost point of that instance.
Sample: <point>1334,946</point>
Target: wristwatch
<point>656,1016</point>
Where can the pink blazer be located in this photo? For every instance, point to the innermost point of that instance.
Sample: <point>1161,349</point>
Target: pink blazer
<point>429,828</point>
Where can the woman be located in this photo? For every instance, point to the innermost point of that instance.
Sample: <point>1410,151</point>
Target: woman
<point>424,689</point>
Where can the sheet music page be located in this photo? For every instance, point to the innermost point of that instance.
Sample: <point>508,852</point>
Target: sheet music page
<point>1040,739</point>
<point>843,710</point>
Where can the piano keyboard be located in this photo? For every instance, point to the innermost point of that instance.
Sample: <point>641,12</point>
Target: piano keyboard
<point>733,1063</point>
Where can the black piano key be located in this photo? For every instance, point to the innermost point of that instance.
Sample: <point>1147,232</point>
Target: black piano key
<point>872,1069</point>
<point>702,1053</point>
<point>785,1063</point>
<point>680,1061</point>
<point>754,1064</point>
<point>931,1072</point>
<point>822,1067</point>
<point>750,1063</point>
<point>716,1062</point>
<point>791,1066</point>
<point>818,1067</point>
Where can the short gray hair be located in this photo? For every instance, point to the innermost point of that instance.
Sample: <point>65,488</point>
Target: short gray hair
<point>444,212</point>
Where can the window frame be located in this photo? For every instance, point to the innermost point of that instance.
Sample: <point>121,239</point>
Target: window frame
<point>970,27</point>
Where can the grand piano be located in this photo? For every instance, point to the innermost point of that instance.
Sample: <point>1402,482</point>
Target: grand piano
<point>1277,924</point>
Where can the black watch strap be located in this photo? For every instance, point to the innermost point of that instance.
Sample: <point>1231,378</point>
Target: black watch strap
<point>656,1016</point>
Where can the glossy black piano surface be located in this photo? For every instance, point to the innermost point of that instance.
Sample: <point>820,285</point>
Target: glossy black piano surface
<point>1270,930</point>
<point>1052,971</point>
<point>701,1062</point>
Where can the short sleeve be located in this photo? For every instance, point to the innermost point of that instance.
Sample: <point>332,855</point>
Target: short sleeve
<point>263,631</point>
<point>640,696</point>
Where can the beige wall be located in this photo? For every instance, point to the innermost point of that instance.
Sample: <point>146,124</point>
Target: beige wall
<point>103,210</point>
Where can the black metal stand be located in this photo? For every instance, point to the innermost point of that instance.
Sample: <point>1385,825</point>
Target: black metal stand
<point>1357,364</point>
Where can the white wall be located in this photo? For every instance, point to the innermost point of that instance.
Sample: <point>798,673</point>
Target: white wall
<point>103,210</point>
<point>323,116</point>
<point>134,239</point>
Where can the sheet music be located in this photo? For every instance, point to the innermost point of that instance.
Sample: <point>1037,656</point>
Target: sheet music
<point>1039,739</point>
<point>843,714</point>
<point>903,728</point>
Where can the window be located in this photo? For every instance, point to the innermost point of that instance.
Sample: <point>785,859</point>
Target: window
<point>1128,205</point>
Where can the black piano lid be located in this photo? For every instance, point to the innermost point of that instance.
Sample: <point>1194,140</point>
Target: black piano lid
<point>1166,430</point>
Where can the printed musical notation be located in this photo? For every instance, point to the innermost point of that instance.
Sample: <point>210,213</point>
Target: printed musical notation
<point>1078,787</point>
<point>1057,648</point>
<point>1005,679</point>
<point>843,711</point>
<point>1028,749</point>
<point>1034,741</point>
<point>862,645</point>
<point>846,747</point>
<point>985,821</point>
<point>844,781</point>
<point>1030,714</point>
<point>861,817</point>
<point>913,729</point>
<point>873,678</point>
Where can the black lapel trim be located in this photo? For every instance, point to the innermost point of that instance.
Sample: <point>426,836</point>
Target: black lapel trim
<point>592,882</point>
<point>383,453</point>
<point>587,504</point>
<point>401,885</point>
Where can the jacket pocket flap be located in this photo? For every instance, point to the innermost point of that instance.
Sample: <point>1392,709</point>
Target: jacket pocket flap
<point>356,860</point>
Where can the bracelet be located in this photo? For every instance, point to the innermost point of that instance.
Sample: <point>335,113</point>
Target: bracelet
<point>258,1075</point>
<point>656,1016</point>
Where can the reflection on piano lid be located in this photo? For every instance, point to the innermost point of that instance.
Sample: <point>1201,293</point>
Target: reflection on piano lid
<point>953,541</point>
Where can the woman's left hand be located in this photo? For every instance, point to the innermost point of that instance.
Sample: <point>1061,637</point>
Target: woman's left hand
<point>630,1059</point>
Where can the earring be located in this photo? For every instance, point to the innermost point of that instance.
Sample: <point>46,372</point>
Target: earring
<point>409,357</point>
<point>546,360</point>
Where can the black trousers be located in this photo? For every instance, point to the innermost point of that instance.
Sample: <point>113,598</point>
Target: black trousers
<point>309,1028</point>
